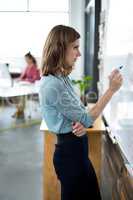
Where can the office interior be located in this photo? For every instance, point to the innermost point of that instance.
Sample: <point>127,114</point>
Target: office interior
<point>26,146</point>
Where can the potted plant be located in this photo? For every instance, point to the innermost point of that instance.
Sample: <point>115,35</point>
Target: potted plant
<point>83,84</point>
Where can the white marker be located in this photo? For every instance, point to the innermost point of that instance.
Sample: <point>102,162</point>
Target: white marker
<point>120,67</point>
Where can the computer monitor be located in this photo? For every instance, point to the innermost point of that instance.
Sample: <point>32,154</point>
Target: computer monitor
<point>5,76</point>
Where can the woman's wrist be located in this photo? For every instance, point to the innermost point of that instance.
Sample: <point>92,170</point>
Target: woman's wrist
<point>101,103</point>
<point>110,91</point>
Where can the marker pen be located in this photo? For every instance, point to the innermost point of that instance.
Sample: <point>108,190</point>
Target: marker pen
<point>120,67</point>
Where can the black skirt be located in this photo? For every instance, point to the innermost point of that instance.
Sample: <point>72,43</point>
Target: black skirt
<point>73,168</point>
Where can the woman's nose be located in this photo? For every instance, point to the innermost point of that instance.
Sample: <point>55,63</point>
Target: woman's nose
<point>79,54</point>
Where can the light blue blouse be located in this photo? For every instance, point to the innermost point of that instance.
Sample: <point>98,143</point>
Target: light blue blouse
<point>60,105</point>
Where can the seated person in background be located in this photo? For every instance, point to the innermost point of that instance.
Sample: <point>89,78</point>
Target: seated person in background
<point>30,74</point>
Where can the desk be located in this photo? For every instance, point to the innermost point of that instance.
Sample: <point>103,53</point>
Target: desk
<point>19,89</point>
<point>51,186</point>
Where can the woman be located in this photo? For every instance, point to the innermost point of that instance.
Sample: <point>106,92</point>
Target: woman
<point>66,116</point>
<point>30,74</point>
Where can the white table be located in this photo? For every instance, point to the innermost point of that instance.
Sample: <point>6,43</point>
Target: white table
<point>19,89</point>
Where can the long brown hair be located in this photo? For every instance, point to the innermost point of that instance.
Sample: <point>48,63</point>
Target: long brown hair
<point>53,57</point>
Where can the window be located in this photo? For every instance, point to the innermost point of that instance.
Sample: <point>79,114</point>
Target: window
<point>22,32</point>
<point>49,5</point>
<point>34,5</point>
<point>13,5</point>
<point>120,28</point>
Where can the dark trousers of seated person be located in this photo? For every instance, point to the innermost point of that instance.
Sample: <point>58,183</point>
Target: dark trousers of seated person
<point>73,168</point>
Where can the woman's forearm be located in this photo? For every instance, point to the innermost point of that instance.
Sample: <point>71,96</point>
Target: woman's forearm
<point>101,103</point>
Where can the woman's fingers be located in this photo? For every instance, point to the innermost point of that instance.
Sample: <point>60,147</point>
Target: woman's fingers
<point>77,125</point>
<point>79,133</point>
<point>113,73</point>
<point>115,80</point>
<point>78,128</point>
<point>118,78</point>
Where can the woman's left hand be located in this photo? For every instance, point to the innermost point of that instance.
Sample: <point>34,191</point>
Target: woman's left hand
<point>78,128</point>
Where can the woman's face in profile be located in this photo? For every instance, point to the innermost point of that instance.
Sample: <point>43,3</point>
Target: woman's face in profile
<point>72,53</point>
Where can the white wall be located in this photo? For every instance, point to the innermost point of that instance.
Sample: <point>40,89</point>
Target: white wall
<point>77,8</point>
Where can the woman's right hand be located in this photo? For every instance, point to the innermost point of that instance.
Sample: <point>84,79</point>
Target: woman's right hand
<point>115,80</point>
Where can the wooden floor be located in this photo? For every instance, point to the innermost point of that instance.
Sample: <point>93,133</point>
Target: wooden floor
<point>51,186</point>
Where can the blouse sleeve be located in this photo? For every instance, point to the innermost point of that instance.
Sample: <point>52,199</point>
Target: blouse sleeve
<point>35,75</point>
<point>58,96</point>
<point>23,74</point>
